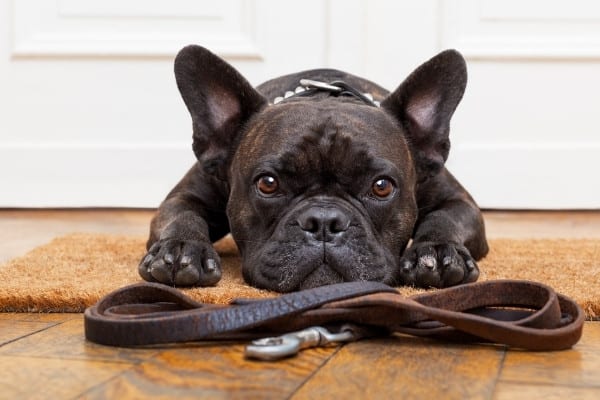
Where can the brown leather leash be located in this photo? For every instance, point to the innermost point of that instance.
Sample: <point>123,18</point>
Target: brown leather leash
<point>520,314</point>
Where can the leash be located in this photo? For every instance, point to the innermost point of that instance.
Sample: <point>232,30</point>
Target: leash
<point>519,314</point>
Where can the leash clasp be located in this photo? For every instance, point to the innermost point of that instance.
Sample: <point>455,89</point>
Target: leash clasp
<point>278,347</point>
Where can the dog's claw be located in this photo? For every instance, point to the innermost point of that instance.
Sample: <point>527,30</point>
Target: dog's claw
<point>428,261</point>
<point>169,259</point>
<point>185,260</point>
<point>471,265</point>
<point>211,275</point>
<point>147,259</point>
<point>144,269</point>
<point>211,265</point>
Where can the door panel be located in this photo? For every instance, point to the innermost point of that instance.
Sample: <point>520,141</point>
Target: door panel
<point>90,114</point>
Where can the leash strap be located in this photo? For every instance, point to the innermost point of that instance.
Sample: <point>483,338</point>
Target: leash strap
<point>521,314</point>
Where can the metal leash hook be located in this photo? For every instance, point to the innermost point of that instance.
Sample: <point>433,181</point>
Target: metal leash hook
<point>278,347</point>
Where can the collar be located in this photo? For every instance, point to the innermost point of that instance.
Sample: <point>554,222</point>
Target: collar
<point>336,88</point>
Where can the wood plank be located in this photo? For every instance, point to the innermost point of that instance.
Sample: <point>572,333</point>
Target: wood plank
<point>16,325</point>
<point>13,330</point>
<point>214,372</point>
<point>579,366</point>
<point>67,341</point>
<point>517,391</point>
<point>406,368</point>
<point>35,378</point>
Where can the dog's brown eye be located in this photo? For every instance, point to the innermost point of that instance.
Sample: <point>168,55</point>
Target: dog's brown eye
<point>382,188</point>
<point>267,185</point>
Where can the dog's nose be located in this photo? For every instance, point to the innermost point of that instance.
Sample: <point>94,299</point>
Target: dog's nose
<point>323,223</point>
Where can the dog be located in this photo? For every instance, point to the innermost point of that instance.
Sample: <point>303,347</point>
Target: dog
<point>320,177</point>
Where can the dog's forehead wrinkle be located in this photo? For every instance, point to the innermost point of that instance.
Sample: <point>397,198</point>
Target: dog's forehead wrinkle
<point>327,143</point>
<point>333,158</point>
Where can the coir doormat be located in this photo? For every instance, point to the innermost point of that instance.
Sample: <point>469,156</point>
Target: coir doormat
<point>73,272</point>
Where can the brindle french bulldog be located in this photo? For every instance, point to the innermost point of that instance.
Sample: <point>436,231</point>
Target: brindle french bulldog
<point>325,186</point>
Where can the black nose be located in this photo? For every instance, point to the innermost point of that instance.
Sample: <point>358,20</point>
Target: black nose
<point>323,223</point>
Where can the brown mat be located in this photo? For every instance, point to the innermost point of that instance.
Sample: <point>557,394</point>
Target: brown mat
<point>74,271</point>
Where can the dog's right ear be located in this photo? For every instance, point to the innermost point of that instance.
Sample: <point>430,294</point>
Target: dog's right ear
<point>220,101</point>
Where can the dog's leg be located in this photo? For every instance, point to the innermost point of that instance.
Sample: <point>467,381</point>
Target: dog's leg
<point>179,250</point>
<point>449,236</point>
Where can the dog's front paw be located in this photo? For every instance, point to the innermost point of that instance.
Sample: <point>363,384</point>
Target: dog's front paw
<point>438,265</point>
<point>181,262</point>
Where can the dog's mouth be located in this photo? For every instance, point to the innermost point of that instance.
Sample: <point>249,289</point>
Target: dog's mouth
<point>289,266</point>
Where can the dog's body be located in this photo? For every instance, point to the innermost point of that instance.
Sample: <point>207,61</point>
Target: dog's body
<point>318,189</point>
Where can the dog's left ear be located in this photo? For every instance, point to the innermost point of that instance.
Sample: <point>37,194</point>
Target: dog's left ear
<point>220,100</point>
<point>424,104</point>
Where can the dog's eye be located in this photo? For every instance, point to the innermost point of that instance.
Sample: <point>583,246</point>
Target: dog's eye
<point>267,185</point>
<point>382,188</point>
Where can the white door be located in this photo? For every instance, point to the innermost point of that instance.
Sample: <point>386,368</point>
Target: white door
<point>90,114</point>
<point>526,135</point>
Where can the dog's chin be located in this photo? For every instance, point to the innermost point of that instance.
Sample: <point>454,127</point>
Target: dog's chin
<point>283,267</point>
<point>321,276</point>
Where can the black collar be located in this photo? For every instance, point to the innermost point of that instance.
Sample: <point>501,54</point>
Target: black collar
<point>309,87</point>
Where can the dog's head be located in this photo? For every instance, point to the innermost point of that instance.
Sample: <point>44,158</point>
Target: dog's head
<point>321,191</point>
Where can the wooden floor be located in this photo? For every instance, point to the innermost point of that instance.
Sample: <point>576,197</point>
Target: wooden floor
<point>46,356</point>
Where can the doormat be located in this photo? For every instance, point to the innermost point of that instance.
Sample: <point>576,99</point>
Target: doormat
<point>73,272</point>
